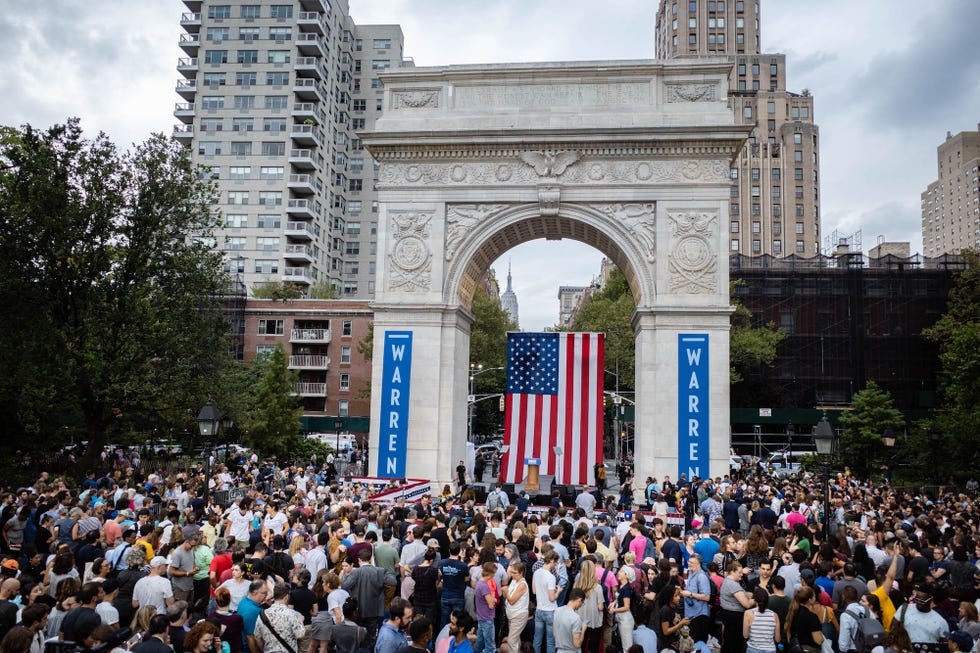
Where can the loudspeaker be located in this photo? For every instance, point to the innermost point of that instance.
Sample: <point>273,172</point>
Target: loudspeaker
<point>508,488</point>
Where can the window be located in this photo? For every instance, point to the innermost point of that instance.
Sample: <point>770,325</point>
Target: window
<point>345,354</point>
<point>246,79</point>
<point>264,350</point>
<point>244,101</point>
<point>267,244</point>
<point>270,328</point>
<point>776,174</point>
<point>216,56</point>
<point>357,123</point>
<point>795,113</point>
<point>342,408</point>
<point>354,206</point>
<point>209,148</point>
<point>747,112</point>
<point>271,172</point>
<point>798,155</point>
<point>734,191</point>
<point>740,38</point>
<point>756,191</point>
<point>217,34</point>
<point>347,328</point>
<point>800,248</point>
<point>358,45</point>
<point>352,248</point>
<point>276,101</point>
<point>799,210</point>
<point>756,209</point>
<point>278,56</point>
<point>214,79</point>
<point>376,83</point>
<point>235,266</point>
<point>242,125</point>
<point>240,172</point>
<point>380,64</point>
<point>798,138</point>
<point>771,108</point>
<point>268,221</point>
<point>734,244</point>
<point>241,148</point>
<point>281,11</point>
<point>692,23</point>
<point>345,382</point>
<point>355,185</point>
<point>771,124</point>
<point>733,209</point>
<point>756,246</point>
<point>251,11</point>
<point>270,198</point>
<point>756,175</point>
<point>777,247</point>
<point>776,192</point>
<point>799,192</point>
<point>739,23</point>
<point>273,148</point>
<point>211,124</point>
<point>266,266</point>
<point>273,124</point>
<point>213,102</point>
<point>359,105</point>
<point>733,227</point>
<point>378,104</point>
<point>741,84</point>
<point>777,212</point>
<point>277,79</point>
<point>799,228</point>
<point>353,228</point>
<point>238,197</point>
<point>692,38</point>
<point>798,174</point>
<point>248,56</point>
<point>757,227</point>
<point>236,220</point>
<point>773,69</point>
<point>234,243</point>
<point>280,34</point>
<point>248,34</point>
<point>219,11</point>
<point>777,228</point>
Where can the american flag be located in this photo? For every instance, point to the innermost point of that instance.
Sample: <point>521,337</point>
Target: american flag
<point>554,398</point>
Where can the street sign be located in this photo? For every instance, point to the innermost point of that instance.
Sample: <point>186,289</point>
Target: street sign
<point>765,412</point>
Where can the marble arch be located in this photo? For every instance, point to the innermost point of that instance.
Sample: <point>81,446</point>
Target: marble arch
<point>630,157</point>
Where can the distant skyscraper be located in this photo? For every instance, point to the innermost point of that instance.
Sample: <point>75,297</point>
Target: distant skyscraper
<point>775,192</point>
<point>951,204</point>
<point>508,299</point>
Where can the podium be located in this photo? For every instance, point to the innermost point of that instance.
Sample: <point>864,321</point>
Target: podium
<point>531,481</point>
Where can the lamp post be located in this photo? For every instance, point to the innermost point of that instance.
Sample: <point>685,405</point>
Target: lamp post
<point>888,437</point>
<point>823,440</point>
<point>790,432</point>
<point>476,369</point>
<point>208,421</point>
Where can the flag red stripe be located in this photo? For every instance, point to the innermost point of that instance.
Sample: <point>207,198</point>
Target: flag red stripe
<point>586,372</point>
<point>599,399</point>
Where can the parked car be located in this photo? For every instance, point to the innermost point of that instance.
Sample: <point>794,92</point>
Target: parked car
<point>487,451</point>
<point>785,463</point>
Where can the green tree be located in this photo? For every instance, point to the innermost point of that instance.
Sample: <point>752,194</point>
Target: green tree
<point>110,287</point>
<point>610,311</point>
<point>750,347</point>
<point>957,333</point>
<point>278,290</point>
<point>272,419</point>
<point>488,347</point>
<point>322,290</point>
<point>872,411</point>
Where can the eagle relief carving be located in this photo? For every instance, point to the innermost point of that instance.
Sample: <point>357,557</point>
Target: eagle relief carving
<point>692,92</point>
<point>548,163</point>
<point>410,259</point>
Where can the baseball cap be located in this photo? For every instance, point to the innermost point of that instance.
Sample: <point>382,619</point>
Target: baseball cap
<point>628,515</point>
<point>10,563</point>
<point>158,561</point>
<point>806,573</point>
<point>433,543</point>
<point>962,639</point>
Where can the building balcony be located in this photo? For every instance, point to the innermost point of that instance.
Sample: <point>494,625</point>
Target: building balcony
<point>320,6</point>
<point>303,276</point>
<point>310,389</point>
<point>184,111</point>
<point>299,230</point>
<point>312,336</point>
<point>306,89</point>
<point>186,88</point>
<point>309,362</point>
<point>191,21</point>
<point>184,133</point>
<point>190,43</point>
<point>303,184</point>
<point>194,5</point>
<point>311,45</point>
<point>301,208</point>
<point>302,253</point>
<point>310,67</point>
<point>302,159</point>
<point>310,21</point>
<point>188,67</point>
<point>306,135</point>
<point>307,111</point>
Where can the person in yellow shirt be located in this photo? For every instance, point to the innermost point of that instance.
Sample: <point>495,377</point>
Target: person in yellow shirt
<point>883,584</point>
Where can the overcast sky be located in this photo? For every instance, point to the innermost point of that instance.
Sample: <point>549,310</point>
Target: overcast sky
<point>889,78</point>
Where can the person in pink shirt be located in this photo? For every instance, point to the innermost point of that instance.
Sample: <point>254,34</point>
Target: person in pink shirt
<point>794,517</point>
<point>639,542</point>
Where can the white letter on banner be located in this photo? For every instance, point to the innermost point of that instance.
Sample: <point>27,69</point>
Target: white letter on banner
<point>692,403</point>
<point>397,352</point>
<point>395,396</point>
<point>392,466</point>
<point>396,376</point>
<point>694,357</point>
<point>392,444</point>
<point>694,451</point>
<point>694,385</point>
<point>692,428</point>
<point>393,420</point>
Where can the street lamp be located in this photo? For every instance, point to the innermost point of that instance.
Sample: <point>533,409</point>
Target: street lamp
<point>823,441</point>
<point>208,421</point>
<point>790,432</point>
<point>888,437</point>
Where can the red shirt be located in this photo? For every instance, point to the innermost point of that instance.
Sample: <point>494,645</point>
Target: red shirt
<point>219,565</point>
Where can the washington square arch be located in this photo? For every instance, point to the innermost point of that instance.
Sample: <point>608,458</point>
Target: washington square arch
<point>630,157</point>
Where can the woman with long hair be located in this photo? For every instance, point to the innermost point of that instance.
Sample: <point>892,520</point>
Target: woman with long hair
<point>668,619</point>
<point>760,625</point>
<point>726,552</point>
<point>232,624</point>
<point>141,620</point>
<point>297,549</point>
<point>621,606</point>
<point>802,623</point>
<point>756,549</point>
<point>592,609</point>
<point>237,585</point>
<point>517,598</point>
<point>733,601</point>
<point>65,602</point>
<point>17,640</point>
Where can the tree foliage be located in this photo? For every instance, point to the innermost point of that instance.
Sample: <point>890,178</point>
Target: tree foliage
<point>271,423</point>
<point>750,347</point>
<point>488,347</point>
<point>110,287</point>
<point>278,290</point>
<point>872,411</point>
<point>322,290</point>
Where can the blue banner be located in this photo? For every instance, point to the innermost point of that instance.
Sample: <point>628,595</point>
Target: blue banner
<point>693,427</point>
<point>396,383</point>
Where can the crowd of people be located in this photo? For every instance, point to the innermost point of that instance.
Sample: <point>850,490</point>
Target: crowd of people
<point>292,559</point>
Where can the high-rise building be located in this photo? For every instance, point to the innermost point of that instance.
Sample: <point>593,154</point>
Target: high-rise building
<point>274,96</point>
<point>951,204</point>
<point>508,300</point>
<point>775,191</point>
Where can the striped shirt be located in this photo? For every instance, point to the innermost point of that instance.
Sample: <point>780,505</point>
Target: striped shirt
<point>762,630</point>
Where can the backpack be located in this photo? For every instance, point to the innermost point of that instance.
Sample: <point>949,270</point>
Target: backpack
<point>650,551</point>
<point>869,632</point>
<point>493,501</point>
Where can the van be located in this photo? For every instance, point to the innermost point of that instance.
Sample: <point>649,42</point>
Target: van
<point>336,441</point>
<point>785,463</point>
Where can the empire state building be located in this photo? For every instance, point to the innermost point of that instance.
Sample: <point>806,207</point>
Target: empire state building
<point>508,300</point>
